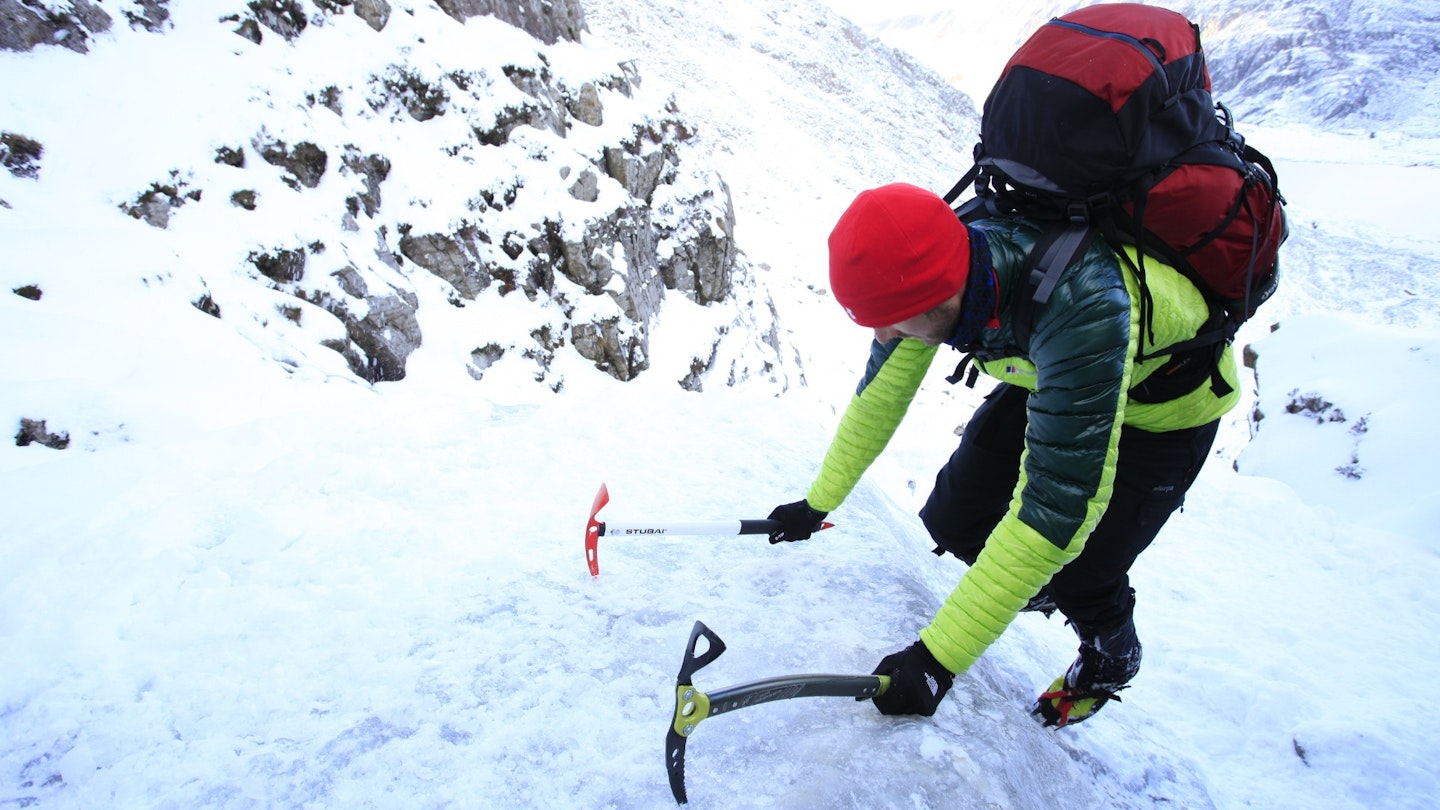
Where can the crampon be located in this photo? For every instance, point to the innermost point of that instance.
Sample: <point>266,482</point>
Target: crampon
<point>1062,706</point>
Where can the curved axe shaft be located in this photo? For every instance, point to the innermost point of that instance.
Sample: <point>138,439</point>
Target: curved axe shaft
<point>596,529</point>
<point>693,706</point>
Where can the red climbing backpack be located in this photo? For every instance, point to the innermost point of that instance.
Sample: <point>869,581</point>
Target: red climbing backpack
<point>1103,123</point>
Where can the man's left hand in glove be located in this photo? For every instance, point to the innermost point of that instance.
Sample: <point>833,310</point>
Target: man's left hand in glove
<point>797,522</point>
<point>917,682</point>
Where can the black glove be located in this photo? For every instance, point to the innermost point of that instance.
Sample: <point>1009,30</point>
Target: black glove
<point>797,522</point>
<point>917,681</point>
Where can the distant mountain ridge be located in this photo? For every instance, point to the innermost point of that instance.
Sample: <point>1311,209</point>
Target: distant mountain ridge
<point>1333,63</point>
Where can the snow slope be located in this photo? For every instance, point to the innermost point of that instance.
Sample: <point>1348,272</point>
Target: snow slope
<point>306,591</point>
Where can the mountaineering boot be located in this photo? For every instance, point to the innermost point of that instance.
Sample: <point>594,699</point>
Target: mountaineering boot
<point>1109,658</point>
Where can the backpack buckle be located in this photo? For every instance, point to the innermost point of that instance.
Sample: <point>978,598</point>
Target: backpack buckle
<point>1099,204</point>
<point>1232,136</point>
<point>1078,213</point>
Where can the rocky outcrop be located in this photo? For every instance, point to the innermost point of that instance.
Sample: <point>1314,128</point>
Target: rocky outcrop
<point>20,155</point>
<point>374,169</point>
<point>284,17</point>
<point>579,241</point>
<point>419,98</point>
<point>305,162</point>
<point>375,13</point>
<point>456,257</point>
<point>23,26</point>
<point>617,351</point>
<point>282,266</point>
<point>547,20</point>
<point>34,431</point>
<point>153,206</point>
<point>382,326</point>
<point>702,255</point>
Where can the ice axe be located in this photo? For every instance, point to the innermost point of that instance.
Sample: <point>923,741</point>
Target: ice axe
<point>597,529</point>
<point>693,706</point>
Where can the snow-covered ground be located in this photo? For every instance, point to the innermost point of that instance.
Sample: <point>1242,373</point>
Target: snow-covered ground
<point>250,588</point>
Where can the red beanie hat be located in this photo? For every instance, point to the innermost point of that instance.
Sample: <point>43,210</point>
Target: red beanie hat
<point>897,251</point>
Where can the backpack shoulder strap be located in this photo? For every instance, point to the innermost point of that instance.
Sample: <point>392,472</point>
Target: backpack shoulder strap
<point>1057,248</point>
<point>959,188</point>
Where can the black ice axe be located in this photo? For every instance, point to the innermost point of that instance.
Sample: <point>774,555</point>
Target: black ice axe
<point>693,706</point>
<point>597,529</point>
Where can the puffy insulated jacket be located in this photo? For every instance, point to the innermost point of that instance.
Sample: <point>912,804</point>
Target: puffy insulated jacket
<point>1080,366</point>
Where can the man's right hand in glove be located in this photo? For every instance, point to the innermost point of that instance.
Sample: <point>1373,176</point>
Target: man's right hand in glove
<point>917,682</point>
<point>797,522</point>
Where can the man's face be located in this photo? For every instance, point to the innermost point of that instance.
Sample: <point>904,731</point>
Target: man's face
<point>931,328</point>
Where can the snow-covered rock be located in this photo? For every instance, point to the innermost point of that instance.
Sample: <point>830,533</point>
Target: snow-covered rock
<point>376,162</point>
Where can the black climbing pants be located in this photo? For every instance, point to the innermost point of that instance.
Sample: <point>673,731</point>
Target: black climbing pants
<point>1153,472</point>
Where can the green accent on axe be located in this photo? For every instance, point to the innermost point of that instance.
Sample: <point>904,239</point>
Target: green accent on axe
<point>691,706</point>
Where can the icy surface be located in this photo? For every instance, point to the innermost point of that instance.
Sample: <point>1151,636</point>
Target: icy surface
<point>240,587</point>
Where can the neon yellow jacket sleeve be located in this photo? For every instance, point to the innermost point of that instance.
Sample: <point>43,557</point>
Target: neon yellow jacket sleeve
<point>1016,563</point>
<point>870,421</point>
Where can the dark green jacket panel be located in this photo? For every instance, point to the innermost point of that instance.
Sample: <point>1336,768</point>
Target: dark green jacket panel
<point>1081,349</point>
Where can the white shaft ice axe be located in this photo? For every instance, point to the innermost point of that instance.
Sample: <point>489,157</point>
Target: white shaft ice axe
<point>597,529</point>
